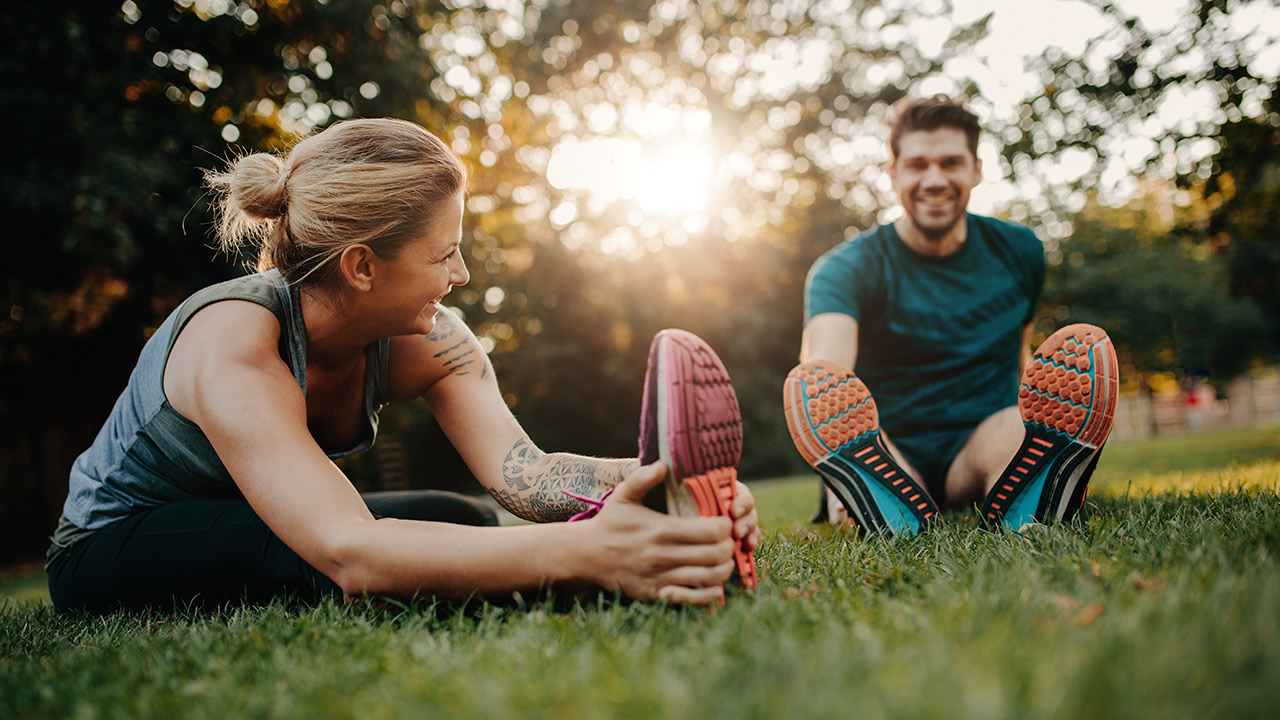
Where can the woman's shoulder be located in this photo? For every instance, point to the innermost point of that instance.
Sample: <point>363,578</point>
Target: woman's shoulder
<point>260,288</point>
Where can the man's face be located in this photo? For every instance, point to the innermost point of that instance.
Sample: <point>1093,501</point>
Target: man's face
<point>932,175</point>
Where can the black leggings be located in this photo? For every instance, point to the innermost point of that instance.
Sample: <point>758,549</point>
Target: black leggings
<point>214,552</point>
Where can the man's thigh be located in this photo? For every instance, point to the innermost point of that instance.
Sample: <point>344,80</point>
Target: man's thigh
<point>984,456</point>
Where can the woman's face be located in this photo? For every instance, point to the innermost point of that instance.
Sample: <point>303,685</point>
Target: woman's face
<point>424,271</point>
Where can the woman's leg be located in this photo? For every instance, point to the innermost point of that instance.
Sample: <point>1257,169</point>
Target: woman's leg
<point>216,551</point>
<point>196,551</point>
<point>431,505</point>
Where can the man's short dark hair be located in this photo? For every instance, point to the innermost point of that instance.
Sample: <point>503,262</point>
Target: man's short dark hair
<point>931,113</point>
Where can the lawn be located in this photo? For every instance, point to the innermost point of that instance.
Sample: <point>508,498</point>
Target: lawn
<point>1161,601</point>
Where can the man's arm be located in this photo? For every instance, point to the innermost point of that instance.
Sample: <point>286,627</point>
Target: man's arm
<point>1024,356</point>
<point>830,336</point>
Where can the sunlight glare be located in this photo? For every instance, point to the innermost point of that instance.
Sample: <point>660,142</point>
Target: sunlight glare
<point>667,178</point>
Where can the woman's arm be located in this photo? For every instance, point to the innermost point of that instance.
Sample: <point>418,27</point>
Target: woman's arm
<point>540,487</point>
<point>225,375</point>
<point>451,369</point>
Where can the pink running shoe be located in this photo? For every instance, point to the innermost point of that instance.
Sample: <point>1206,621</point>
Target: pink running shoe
<point>690,419</point>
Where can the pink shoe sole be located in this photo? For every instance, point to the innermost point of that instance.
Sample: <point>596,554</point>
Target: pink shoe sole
<point>690,419</point>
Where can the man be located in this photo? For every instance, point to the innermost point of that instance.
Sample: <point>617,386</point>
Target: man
<point>934,314</point>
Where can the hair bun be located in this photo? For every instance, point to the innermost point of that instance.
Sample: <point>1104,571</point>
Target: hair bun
<point>258,186</point>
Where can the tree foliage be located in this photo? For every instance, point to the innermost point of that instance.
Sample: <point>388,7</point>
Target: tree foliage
<point>1183,117</point>
<point>1162,297</point>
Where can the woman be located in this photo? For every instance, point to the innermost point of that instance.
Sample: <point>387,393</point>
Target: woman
<point>212,479</point>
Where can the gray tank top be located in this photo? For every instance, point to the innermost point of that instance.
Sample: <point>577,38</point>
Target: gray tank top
<point>147,454</point>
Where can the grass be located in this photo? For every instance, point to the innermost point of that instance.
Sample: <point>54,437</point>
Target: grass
<point>1161,601</point>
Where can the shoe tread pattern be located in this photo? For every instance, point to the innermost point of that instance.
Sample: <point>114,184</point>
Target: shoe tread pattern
<point>705,431</point>
<point>1067,400</point>
<point>834,424</point>
<point>706,419</point>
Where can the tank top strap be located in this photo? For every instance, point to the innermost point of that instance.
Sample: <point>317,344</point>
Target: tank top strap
<point>268,290</point>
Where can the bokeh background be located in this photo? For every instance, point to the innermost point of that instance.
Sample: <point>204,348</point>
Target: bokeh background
<point>639,165</point>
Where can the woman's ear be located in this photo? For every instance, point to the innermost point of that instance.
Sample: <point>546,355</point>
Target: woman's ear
<point>356,263</point>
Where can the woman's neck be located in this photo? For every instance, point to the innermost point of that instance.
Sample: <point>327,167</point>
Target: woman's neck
<point>333,340</point>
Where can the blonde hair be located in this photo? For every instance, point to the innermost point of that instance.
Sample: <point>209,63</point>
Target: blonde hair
<point>377,182</point>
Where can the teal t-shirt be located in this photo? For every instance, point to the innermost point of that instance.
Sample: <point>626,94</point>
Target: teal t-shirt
<point>938,338</point>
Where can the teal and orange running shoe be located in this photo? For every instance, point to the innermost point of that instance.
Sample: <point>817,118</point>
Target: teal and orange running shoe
<point>835,426</point>
<point>690,419</point>
<point>1068,403</point>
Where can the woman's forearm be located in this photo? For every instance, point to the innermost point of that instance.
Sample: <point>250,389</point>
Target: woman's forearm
<point>625,548</point>
<point>402,558</point>
<point>534,483</point>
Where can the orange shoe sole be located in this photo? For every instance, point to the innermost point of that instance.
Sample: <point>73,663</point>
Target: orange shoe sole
<point>835,425</point>
<point>1067,400</point>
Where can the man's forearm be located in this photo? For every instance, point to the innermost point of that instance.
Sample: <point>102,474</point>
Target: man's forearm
<point>535,483</point>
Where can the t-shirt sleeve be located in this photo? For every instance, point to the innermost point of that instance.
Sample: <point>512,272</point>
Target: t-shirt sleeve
<point>833,286</point>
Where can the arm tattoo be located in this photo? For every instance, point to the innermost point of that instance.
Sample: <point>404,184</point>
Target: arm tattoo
<point>535,481</point>
<point>457,356</point>
<point>461,356</point>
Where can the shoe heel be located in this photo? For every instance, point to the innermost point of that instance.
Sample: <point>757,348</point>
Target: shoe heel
<point>712,494</point>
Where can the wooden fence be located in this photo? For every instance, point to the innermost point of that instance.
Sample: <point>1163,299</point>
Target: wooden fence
<point>1252,399</point>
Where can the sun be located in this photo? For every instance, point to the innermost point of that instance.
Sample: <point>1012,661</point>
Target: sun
<point>661,161</point>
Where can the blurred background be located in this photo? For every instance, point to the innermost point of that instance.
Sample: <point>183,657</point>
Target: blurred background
<point>639,165</point>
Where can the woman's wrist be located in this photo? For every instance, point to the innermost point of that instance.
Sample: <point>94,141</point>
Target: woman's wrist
<point>577,555</point>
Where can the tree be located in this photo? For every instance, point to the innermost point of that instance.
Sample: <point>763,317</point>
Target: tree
<point>1242,194</point>
<point>1183,115</point>
<point>1162,297</point>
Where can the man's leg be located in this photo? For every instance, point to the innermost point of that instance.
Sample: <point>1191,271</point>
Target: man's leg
<point>985,454</point>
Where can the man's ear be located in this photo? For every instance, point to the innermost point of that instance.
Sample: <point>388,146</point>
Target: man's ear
<point>357,266</point>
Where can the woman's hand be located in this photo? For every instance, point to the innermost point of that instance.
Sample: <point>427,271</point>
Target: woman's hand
<point>746,523</point>
<point>653,556</point>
